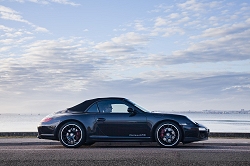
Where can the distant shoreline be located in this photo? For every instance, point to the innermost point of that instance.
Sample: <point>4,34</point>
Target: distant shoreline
<point>242,111</point>
<point>214,112</point>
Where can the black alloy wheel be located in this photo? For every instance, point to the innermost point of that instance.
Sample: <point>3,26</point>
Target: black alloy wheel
<point>72,135</point>
<point>168,134</point>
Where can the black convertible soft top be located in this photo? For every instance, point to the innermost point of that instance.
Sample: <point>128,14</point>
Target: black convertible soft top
<point>84,105</point>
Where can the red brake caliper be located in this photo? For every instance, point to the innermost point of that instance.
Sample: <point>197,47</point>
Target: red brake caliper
<point>78,135</point>
<point>162,133</point>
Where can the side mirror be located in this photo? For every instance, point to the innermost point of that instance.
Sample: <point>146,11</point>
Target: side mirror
<point>131,110</point>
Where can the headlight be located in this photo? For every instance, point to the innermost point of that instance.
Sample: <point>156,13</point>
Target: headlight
<point>202,129</point>
<point>46,119</point>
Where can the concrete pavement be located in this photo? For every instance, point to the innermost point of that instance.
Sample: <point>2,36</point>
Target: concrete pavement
<point>5,141</point>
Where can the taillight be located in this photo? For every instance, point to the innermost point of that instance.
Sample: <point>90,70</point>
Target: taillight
<point>46,119</point>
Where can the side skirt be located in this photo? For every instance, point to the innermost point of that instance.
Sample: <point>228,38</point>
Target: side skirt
<point>119,139</point>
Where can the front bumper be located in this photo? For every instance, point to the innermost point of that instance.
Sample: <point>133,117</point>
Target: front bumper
<point>193,134</point>
<point>203,133</point>
<point>46,132</point>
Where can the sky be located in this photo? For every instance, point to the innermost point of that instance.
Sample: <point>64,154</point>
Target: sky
<point>175,55</point>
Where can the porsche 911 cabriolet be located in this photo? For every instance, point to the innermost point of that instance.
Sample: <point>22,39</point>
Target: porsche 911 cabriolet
<point>115,119</point>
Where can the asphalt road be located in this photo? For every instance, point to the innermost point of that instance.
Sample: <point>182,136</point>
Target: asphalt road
<point>212,153</point>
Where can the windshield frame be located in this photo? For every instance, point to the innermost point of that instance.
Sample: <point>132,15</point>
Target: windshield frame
<point>139,107</point>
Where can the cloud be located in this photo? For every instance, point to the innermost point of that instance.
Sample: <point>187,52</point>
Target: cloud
<point>50,64</point>
<point>139,26</point>
<point>159,58</point>
<point>160,22</point>
<point>218,36</point>
<point>192,5</point>
<point>227,48</point>
<point>192,92</point>
<point>4,49</point>
<point>226,30</point>
<point>195,16</point>
<point>18,41</point>
<point>41,29</point>
<point>219,44</point>
<point>5,29</point>
<point>126,43</point>
<point>198,6</point>
<point>238,88</point>
<point>10,14</point>
<point>65,2</point>
<point>35,1</point>
<point>45,2</point>
<point>6,41</point>
<point>161,8</point>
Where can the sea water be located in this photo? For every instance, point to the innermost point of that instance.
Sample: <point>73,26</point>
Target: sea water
<point>19,122</point>
<point>237,123</point>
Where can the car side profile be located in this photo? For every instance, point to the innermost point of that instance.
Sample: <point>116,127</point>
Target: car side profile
<point>116,119</point>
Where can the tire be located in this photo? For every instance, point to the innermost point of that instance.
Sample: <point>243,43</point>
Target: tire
<point>72,135</point>
<point>168,134</point>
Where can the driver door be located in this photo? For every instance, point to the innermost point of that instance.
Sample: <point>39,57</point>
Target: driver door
<point>119,123</point>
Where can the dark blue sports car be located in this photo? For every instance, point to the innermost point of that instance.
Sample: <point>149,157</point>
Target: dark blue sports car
<point>118,119</point>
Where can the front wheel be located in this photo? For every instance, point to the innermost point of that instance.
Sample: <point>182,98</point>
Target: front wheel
<point>168,134</point>
<point>72,135</point>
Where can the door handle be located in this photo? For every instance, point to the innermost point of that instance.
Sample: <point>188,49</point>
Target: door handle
<point>101,119</point>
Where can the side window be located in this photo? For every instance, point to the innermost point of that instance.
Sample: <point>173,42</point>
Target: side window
<point>112,106</point>
<point>93,108</point>
<point>104,106</point>
<point>120,108</point>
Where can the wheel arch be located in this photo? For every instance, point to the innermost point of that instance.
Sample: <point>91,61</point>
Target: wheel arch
<point>166,120</point>
<point>64,122</point>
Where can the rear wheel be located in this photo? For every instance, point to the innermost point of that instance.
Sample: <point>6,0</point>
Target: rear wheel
<point>72,135</point>
<point>168,134</point>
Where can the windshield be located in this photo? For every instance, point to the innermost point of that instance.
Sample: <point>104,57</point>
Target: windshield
<point>138,106</point>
